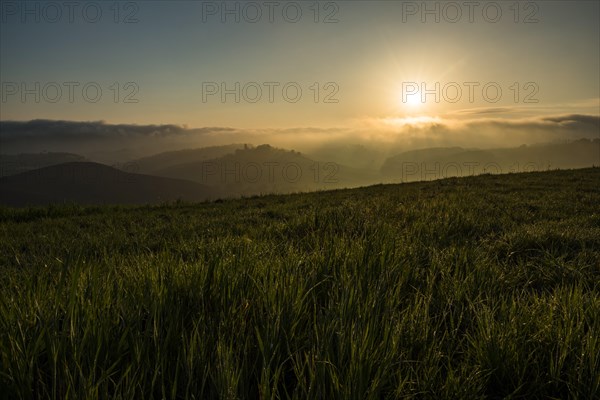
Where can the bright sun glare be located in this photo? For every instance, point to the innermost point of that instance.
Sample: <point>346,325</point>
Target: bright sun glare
<point>411,100</point>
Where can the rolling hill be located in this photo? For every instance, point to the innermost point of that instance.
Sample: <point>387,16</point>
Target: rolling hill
<point>436,163</point>
<point>168,159</point>
<point>265,169</point>
<point>244,170</point>
<point>12,164</point>
<point>92,183</point>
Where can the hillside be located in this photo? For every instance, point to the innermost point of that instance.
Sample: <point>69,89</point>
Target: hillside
<point>438,163</point>
<point>246,169</point>
<point>265,169</point>
<point>168,159</point>
<point>481,287</point>
<point>12,164</point>
<point>92,183</point>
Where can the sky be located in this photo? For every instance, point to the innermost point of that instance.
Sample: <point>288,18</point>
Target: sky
<point>323,67</point>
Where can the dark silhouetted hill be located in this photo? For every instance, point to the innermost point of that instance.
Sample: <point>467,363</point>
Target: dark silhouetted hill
<point>92,183</point>
<point>12,164</point>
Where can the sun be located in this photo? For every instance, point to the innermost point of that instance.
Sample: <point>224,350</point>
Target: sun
<point>406,98</point>
<point>411,100</point>
<point>409,96</point>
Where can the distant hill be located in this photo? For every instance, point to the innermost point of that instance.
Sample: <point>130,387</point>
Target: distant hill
<point>170,159</point>
<point>244,170</point>
<point>12,164</point>
<point>266,169</point>
<point>357,155</point>
<point>438,163</point>
<point>92,183</point>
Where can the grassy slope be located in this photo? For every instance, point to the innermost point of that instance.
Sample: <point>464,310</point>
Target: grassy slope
<point>463,288</point>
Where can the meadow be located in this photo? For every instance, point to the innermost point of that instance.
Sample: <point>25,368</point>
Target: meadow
<point>482,287</point>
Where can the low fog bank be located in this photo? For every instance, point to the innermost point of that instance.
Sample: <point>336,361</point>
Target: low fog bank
<point>365,145</point>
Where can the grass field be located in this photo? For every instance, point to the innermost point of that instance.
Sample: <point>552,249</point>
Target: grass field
<point>479,287</point>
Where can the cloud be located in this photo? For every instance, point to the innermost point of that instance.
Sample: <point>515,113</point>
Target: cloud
<point>579,120</point>
<point>486,110</point>
<point>73,130</point>
<point>115,142</point>
<point>97,139</point>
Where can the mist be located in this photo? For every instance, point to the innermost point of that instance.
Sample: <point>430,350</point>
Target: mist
<point>366,144</point>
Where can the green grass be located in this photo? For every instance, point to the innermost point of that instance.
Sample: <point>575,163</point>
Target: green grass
<point>481,287</point>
